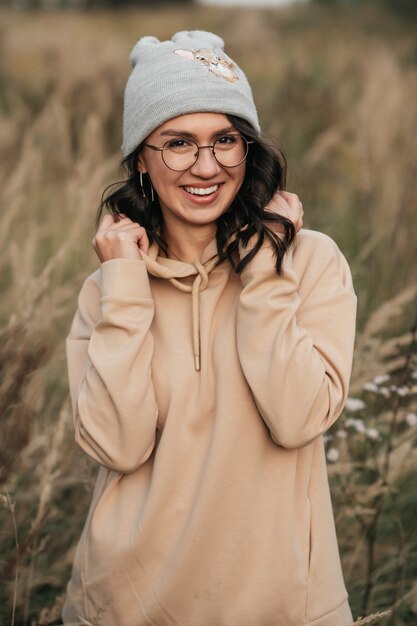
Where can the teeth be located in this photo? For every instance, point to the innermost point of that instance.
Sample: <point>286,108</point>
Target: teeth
<point>198,191</point>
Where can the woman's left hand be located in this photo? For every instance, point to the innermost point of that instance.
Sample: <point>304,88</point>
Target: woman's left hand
<point>288,205</point>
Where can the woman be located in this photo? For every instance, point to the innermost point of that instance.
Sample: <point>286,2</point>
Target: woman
<point>208,355</point>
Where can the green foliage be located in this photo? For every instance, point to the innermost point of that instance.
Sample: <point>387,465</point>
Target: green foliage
<point>89,4</point>
<point>403,8</point>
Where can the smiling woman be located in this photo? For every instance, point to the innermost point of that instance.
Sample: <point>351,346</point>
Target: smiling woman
<point>209,353</point>
<point>195,186</point>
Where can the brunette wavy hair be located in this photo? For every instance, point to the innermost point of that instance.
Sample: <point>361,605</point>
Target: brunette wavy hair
<point>266,169</point>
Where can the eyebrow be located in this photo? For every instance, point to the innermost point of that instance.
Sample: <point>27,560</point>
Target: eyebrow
<point>183,133</point>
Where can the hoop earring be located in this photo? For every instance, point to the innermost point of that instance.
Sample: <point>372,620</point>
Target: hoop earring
<point>143,189</point>
<point>141,184</point>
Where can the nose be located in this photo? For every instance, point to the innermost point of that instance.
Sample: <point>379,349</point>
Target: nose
<point>206,165</point>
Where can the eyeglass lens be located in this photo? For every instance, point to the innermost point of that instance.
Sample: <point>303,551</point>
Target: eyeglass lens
<point>180,154</point>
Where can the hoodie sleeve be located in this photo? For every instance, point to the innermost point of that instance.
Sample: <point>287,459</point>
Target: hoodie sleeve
<point>109,351</point>
<point>295,337</point>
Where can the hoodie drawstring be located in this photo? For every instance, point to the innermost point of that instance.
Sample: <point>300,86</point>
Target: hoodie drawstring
<point>199,284</point>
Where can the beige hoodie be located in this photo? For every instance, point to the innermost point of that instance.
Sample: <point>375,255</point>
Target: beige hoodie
<point>212,505</point>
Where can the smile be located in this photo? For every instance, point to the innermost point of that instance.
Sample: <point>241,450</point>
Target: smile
<point>200,191</point>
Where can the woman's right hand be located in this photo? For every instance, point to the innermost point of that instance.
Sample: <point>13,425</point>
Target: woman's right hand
<point>122,239</point>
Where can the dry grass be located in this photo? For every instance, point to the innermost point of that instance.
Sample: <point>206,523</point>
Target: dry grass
<point>338,91</point>
<point>371,619</point>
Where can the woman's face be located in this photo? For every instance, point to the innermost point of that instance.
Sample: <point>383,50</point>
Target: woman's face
<point>203,192</point>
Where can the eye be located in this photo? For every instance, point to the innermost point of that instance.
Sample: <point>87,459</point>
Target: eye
<point>178,144</point>
<point>228,140</point>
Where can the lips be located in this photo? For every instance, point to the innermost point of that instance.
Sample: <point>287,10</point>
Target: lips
<point>201,191</point>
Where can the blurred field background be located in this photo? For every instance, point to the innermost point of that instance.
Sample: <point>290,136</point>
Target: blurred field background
<point>337,88</point>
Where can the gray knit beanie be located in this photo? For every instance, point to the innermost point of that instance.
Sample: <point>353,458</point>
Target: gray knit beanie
<point>188,74</point>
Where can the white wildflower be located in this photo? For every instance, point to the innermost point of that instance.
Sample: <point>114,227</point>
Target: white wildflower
<point>7,502</point>
<point>342,434</point>
<point>403,391</point>
<point>333,455</point>
<point>327,438</point>
<point>384,391</point>
<point>382,378</point>
<point>411,418</point>
<point>393,387</point>
<point>370,387</point>
<point>354,404</point>
<point>360,426</point>
<point>372,433</point>
<point>357,424</point>
<point>414,374</point>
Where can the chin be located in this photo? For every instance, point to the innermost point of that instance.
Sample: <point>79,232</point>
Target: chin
<point>203,215</point>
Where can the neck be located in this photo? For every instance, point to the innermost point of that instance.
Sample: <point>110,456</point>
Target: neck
<point>187,243</point>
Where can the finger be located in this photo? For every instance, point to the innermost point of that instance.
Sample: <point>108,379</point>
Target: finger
<point>135,232</point>
<point>143,242</point>
<point>112,221</point>
<point>115,230</point>
<point>128,232</point>
<point>120,222</point>
<point>281,206</point>
<point>121,242</point>
<point>290,206</point>
<point>122,226</point>
<point>289,196</point>
<point>278,204</point>
<point>292,199</point>
<point>106,222</point>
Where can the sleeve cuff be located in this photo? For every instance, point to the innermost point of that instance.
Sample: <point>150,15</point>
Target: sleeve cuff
<point>125,278</point>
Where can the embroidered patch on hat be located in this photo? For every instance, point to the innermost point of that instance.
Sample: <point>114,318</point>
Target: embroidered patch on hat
<point>214,60</point>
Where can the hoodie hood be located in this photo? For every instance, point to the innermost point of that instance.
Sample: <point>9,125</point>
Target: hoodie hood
<point>174,270</point>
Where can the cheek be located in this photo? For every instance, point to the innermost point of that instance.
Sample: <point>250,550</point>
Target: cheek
<point>160,176</point>
<point>240,176</point>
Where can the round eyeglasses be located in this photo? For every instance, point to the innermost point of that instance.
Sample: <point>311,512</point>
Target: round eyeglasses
<point>181,154</point>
